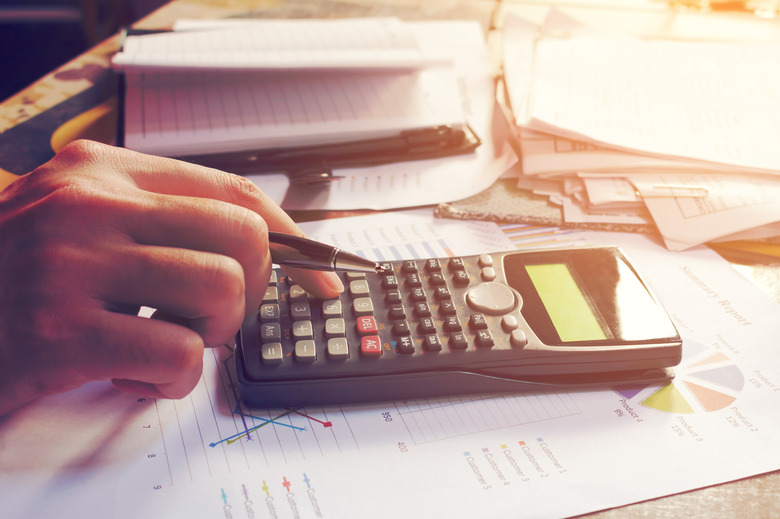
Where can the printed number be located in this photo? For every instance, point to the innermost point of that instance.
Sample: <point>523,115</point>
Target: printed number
<point>157,487</point>
<point>151,455</point>
<point>402,447</point>
<point>387,417</point>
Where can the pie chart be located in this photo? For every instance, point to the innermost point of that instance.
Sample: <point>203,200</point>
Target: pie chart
<point>706,380</point>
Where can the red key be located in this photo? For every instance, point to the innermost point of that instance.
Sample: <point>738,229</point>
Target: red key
<point>366,325</point>
<point>371,346</point>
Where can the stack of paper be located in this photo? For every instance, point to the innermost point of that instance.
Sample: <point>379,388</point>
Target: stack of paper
<point>677,134</point>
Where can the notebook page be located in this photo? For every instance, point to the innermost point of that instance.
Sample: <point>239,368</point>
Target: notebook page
<point>198,112</point>
<point>280,44</point>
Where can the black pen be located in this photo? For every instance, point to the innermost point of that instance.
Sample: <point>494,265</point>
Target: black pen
<point>294,251</point>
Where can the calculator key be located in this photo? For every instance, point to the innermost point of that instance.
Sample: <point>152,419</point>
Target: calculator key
<point>335,327</point>
<point>441,294</point>
<point>461,278</point>
<point>432,265</point>
<point>432,343</point>
<point>452,324</point>
<point>401,328</point>
<point>366,325</point>
<point>397,312</point>
<point>437,279</point>
<point>447,308</point>
<point>270,332</point>
<point>305,351</point>
<point>297,293</point>
<point>485,260</point>
<point>271,353</point>
<point>518,338</point>
<point>457,341</point>
<point>302,330</point>
<point>404,344</point>
<point>422,310</point>
<point>300,310</point>
<point>358,287</point>
<point>426,325</point>
<point>363,306</point>
<point>355,275</point>
<point>269,312</point>
<point>413,280</point>
<point>271,295</point>
<point>456,264</point>
<point>409,266</point>
<point>509,323</point>
<point>483,339</point>
<point>491,298</point>
<point>387,267</point>
<point>331,308</point>
<point>393,296</point>
<point>488,274</point>
<point>274,279</point>
<point>338,348</point>
<point>477,322</point>
<point>417,295</point>
<point>371,346</point>
<point>390,282</point>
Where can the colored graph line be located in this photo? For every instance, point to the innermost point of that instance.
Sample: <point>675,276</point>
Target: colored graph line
<point>236,437</point>
<point>324,424</point>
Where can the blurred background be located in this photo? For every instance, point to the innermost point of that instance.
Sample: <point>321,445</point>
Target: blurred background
<point>37,36</point>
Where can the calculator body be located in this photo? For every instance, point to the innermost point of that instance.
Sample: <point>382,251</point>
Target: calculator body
<point>493,323</point>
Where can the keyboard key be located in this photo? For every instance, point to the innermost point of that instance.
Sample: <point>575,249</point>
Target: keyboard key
<point>483,339</point>
<point>409,266</point>
<point>271,353</point>
<point>432,343</point>
<point>302,330</point>
<point>452,324</point>
<point>358,288</point>
<point>401,328</point>
<point>366,325</point>
<point>300,310</point>
<point>297,293</point>
<point>338,348</point>
<point>363,306</point>
<point>271,295</point>
<point>447,308</point>
<point>270,332</point>
<point>417,295</point>
<point>461,278</point>
<point>426,325</point>
<point>335,327</point>
<point>477,322</point>
<point>422,310</point>
<point>305,351</point>
<point>405,344</point>
<point>457,342</point>
<point>432,265</point>
<point>456,264</point>
<point>397,312</point>
<point>269,312</point>
<point>370,346</point>
<point>331,308</point>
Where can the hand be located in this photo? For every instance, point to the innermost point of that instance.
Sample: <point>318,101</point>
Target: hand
<point>96,233</point>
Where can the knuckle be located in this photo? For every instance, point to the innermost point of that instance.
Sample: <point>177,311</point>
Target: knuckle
<point>226,279</point>
<point>244,191</point>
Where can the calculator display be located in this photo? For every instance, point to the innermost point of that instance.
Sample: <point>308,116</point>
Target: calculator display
<point>585,299</point>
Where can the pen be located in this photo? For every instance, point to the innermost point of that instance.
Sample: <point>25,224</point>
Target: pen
<point>294,251</point>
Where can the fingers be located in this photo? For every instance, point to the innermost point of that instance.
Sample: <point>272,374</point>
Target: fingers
<point>147,356</point>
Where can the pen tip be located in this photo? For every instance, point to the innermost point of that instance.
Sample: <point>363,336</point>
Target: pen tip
<point>380,268</point>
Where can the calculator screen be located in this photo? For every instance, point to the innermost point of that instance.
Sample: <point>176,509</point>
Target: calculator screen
<point>586,296</point>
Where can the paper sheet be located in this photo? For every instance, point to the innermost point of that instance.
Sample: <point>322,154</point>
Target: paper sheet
<point>728,205</point>
<point>425,182</point>
<point>96,452</point>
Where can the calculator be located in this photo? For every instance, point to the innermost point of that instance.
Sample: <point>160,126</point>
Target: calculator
<point>492,323</point>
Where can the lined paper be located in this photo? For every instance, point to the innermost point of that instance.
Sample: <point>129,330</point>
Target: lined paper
<point>195,112</point>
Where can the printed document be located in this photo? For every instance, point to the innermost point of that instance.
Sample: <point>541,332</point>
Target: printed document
<point>96,452</point>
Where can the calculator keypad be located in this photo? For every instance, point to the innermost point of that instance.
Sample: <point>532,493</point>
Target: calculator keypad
<point>417,313</point>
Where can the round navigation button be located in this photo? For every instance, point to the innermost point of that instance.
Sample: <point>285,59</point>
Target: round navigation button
<point>491,298</point>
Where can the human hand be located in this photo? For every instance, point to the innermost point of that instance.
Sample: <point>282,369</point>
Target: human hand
<point>96,233</point>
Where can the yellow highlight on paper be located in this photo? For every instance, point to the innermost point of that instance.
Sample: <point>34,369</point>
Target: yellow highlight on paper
<point>565,303</point>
